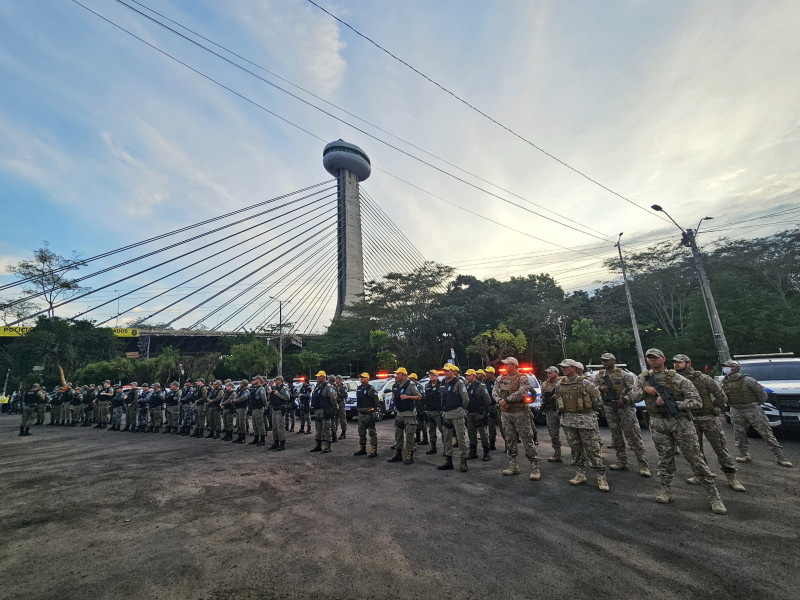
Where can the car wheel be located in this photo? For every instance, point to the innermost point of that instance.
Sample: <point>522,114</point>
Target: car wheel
<point>380,413</point>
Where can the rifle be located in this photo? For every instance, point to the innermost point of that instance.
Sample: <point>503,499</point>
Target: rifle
<point>662,390</point>
<point>611,394</point>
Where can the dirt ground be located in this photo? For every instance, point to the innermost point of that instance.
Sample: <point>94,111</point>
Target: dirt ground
<point>88,513</point>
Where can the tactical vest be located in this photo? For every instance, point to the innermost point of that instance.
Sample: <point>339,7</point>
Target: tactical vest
<point>490,389</point>
<point>144,399</point>
<point>213,397</point>
<point>451,399</point>
<point>57,399</point>
<point>118,400</point>
<point>574,397</point>
<point>200,397</point>
<point>226,398</point>
<point>363,401</point>
<point>257,398</point>
<point>737,392</point>
<point>320,400</point>
<point>433,397</point>
<point>672,387</point>
<point>548,402</point>
<point>75,398</point>
<point>615,375</point>
<point>171,400</point>
<point>156,400</point>
<point>401,404</point>
<point>32,397</point>
<point>242,398</point>
<point>187,395</point>
<point>708,401</point>
<point>476,405</point>
<point>277,401</point>
<point>509,384</point>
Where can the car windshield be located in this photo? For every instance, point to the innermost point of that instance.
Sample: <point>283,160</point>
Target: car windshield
<point>378,384</point>
<point>773,371</point>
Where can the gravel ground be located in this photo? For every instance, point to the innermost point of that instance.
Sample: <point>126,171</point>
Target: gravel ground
<point>88,513</point>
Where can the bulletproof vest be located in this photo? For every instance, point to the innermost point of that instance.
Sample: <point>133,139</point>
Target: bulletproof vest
<point>547,399</point>
<point>156,399</point>
<point>433,397</point>
<point>490,389</point>
<point>304,397</point>
<point>276,400</point>
<point>201,395</point>
<point>171,398</point>
<point>400,404</point>
<point>705,395</point>
<point>257,397</point>
<point>57,399</point>
<point>213,396</point>
<point>667,378</point>
<point>574,396</point>
<point>226,397</point>
<point>320,398</point>
<point>242,397</point>
<point>31,397</point>
<point>615,375</point>
<point>187,395</point>
<point>118,399</point>
<point>737,392</point>
<point>75,397</point>
<point>144,399</point>
<point>451,399</point>
<point>475,405</point>
<point>363,400</point>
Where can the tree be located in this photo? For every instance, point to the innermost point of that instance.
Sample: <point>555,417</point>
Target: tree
<point>310,361</point>
<point>252,358</point>
<point>495,344</point>
<point>17,311</point>
<point>590,341</point>
<point>46,274</point>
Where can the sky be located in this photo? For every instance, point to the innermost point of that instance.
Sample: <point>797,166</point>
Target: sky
<point>104,141</point>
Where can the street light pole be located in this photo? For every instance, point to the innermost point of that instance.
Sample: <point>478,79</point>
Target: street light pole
<point>639,351</point>
<point>690,240</point>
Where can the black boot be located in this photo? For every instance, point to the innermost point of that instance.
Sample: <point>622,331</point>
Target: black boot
<point>433,449</point>
<point>184,430</point>
<point>333,437</point>
<point>409,459</point>
<point>492,446</point>
<point>416,438</point>
<point>398,456</point>
<point>210,434</point>
<point>424,441</point>
<point>228,436</point>
<point>473,451</point>
<point>282,445</point>
<point>127,427</point>
<point>318,447</point>
<point>22,431</point>
<point>98,426</point>
<point>448,464</point>
<point>216,435</point>
<point>485,453</point>
<point>374,453</point>
<point>240,439</point>
<point>175,430</point>
<point>362,450</point>
<point>342,436</point>
<point>275,445</point>
<point>255,441</point>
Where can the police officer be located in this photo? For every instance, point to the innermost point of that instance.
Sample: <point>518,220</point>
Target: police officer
<point>495,421</point>
<point>577,399</point>
<point>405,394</point>
<point>745,397</point>
<point>278,402</point>
<point>367,402</point>
<point>200,407</point>
<point>117,407</point>
<point>669,397</point>
<point>323,400</point>
<point>241,403</point>
<point>258,401</point>
<point>551,412</point>
<point>511,391</point>
<point>292,408</point>
<point>131,407</point>
<point>172,407</point>
<point>477,415</point>
<point>340,411</point>
<point>103,404</point>
<point>304,408</point>
<point>143,408</point>
<point>55,406</point>
<point>228,409</point>
<point>707,419</point>
<point>89,399</point>
<point>214,398</point>
<point>454,401</point>
<point>31,401</point>
<point>154,404</point>
<point>421,434</point>
<point>75,407</point>
<point>185,415</point>
<point>615,387</point>
<point>433,409</point>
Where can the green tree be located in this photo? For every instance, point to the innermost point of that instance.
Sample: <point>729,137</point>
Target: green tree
<point>251,358</point>
<point>495,344</point>
<point>588,341</point>
<point>309,360</point>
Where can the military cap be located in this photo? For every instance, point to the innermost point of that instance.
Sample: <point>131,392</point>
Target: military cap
<point>228,382</point>
<point>107,381</point>
<point>91,385</point>
<point>450,367</point>
<point>401,370</point>
<point>34,386</point>
<point>471,372</point>
<point>339,377</point>
<point>321,374</point>
<point>365,375</point>
<point>551,370</point>
<point>200,380</point>
<point>69,384</point>
<point>277,377</point>
<point>654,352</point>
<point>568,362</point>
<point>156,384</point>
<point>218,382</point>
<point>510,361</point>
<point>490,370</point>
<point>187,382</point>
<point>579,365</point>
<point>681,358</point>
<point>608,356</point>
<point>730,363</point>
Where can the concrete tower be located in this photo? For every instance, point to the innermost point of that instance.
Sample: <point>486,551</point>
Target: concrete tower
<point>350,165</point>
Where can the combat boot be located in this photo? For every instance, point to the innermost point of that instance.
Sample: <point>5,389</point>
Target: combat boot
<point>432,449</point>
<point>327,448</point>
<point>620,466</point>
<point>228,436</point>
<point>664,496</point>
<point>717,507</point>
<point>216,435</point>
<point>512,468</point>
<point>473,451</point>
<point>185,431</point>
<point>424,441</point>
<point>317,448</point>
<point>492,445</point>
<point>536,473</point>
<point>416,438</point>
<point>22,431</point>
<point>100,426</point>
<point>256,439</point>
<point>281,445</point>
<point>210,434</point>
<point>301,428</point>
<point>745,458</point>
<point>262,440</point>
<point>275,445</point>
<point>485,454</point>
<point>579,479</point>
<point>362,450</point>
<point>464,467</point>
<point>241,439</point>
<point>127,427</point>
<point>398,457</point>
<point>448,464</point>
<point>409,459</point>
<point>175,430</point>
<point>27,431</point>
<point>343,435</point>
<point>734,483</point>
<point>644,470</point>
<point>602,483</point>
<point>374,453</point>
<point>166,430</point>
<point>556,455</point>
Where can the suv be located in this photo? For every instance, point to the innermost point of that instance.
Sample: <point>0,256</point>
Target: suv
<point>780,376</point>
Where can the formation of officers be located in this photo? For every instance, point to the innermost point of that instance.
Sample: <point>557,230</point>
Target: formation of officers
<point>684,407</point>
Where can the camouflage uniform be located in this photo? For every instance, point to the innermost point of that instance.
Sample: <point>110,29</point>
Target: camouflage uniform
<point>55,407</point>
<point>578,400</point>
<point>103,404</point>
<point>88,405</point>
<point>118,409</point>
<point>477,418</point>
<point>172,410</point>
<point>76,407</point>
<point>495,419</point>
<point>131,407</point>
<point>745,396</point>
<point>186,410</point>
<point>214,422</point>
<point>241,403</point>
<point>670,432</point>
<point>454,403</point>
<point>304,408</point>
<point>154,405</point>
<point>142,409</point>
<point>516,420</point>
<point>405,420</point>
<point>621,416</point>
<point>228,411</point>
<point>553,418</point>
<point>258,402</point>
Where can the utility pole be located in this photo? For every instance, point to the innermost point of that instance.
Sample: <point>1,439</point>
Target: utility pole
<point>639,351</point>
<point>5,385</point>
<point>690,241</point>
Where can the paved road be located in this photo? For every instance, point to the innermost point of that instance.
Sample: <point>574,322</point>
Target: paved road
<point>87,513</point>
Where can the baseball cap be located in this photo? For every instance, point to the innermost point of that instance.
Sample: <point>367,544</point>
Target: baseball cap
<point>731,363</point>
<point>321,374</point>
<point>490,370</point>
<point>654,352</point>
<point>145,385</point>
<point>402,370</point>
<point>277,377</point>
<point>413,376</point>
<point>608,356</point>
<point>681,358</point>
<point>568,362</point>
<point>510,361</point>
<point>480,372</point>
<point>365,375</point>
<point>471,372</point>
<point>450,367</point>
<point>551,370</point>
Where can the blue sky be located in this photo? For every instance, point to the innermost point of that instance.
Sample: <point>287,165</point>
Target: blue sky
<point>691,105</point>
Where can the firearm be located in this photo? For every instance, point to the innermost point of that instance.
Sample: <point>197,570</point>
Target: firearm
<point>611,394</point>
<point>662,390</point>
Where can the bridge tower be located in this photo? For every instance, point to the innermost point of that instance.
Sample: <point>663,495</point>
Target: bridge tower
<point>350,165</point>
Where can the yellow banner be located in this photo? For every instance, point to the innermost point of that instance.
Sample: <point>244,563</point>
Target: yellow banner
<point>14,331</point>
<point>127,333</point>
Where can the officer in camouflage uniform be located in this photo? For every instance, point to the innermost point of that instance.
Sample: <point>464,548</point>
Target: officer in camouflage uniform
<point>454,402</point>
<point>421,435</point>
<point>707,419</point>
<point>117,408</point>
<point>577,399</point>
<point>75,407</point>
<point>228,409</point>
<point>258,402</point>
<point>670,431</point>
<point>31,401</point>
<point>172,410</point>
<point>477,415</point>
<point>131,406</point>
<point>214,398</point>
<point>323,399</point>
<point>241,403</point>
<point>292,408</point>
<point>510,391</point>
<point>186,410</point>
<point>89,398</point>
<point>154,404</point>
<point>340,412</point>
<point>495,419</point>
<point>551,412</point>
<point>200,407</point>
<point>615,387</point>
<point>278,403</point>
<point>745,397</point>
<point>405,395</point>
<point>367,402</point>
<point>433,409</point>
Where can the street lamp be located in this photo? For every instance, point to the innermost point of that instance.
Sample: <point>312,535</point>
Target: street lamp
<point>689,240</point>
